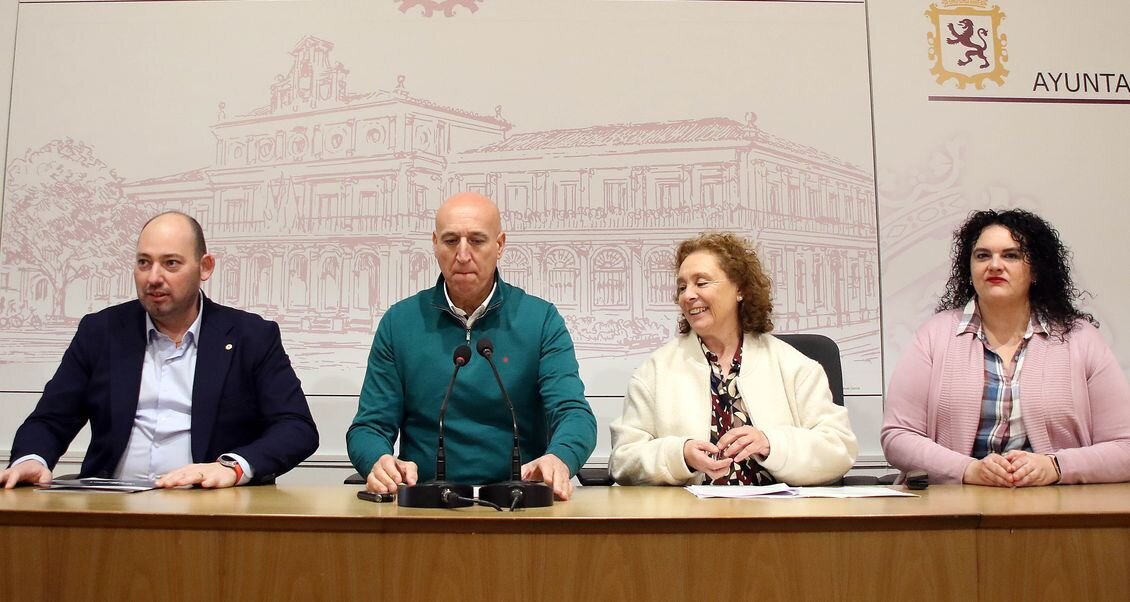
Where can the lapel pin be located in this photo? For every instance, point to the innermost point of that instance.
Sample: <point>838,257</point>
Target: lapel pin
<point>228,347</point>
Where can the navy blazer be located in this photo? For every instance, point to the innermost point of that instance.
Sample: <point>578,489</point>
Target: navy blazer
<point>246,398</point>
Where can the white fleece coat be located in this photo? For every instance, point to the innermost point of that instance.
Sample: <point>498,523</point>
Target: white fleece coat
<point>786,396</point>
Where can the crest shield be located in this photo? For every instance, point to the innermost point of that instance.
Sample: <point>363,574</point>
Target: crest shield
<point>966,43</point>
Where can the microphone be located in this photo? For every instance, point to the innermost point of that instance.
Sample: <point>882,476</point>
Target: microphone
<point>438,492</point>
<point>461,356</point>
<point>514,493</point>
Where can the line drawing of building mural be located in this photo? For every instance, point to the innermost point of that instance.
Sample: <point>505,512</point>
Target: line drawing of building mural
<point>319,208</point>
<point>639,187</point>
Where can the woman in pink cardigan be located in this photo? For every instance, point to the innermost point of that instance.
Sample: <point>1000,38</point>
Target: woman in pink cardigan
<point>1009,384</point>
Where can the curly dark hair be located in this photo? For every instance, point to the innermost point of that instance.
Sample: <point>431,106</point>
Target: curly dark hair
<point>1052,293</point>
<point>739,261</point>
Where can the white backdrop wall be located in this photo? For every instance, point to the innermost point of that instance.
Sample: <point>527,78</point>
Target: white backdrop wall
<point>1021,144</point>
<point>315,139</point>
<point>8,9</point>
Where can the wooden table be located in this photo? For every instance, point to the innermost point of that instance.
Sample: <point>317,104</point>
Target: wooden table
<point>620,543</point>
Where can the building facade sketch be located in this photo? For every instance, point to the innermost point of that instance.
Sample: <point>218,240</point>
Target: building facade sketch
<point>319,207</point>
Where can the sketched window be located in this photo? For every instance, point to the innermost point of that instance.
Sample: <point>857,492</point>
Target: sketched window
<point>326,211</point>
<point>819,295</point>
<point>203,215</point>
<point>616,195</point>
<point>517,198</point>
<point>659,273</point>
<point>847,210</point>
<point>565,196</point>
<point>561,277</point>
<point>853,282</point>
<point>516,268</point>
<point>259,292</point>
<point>297,272</point>
<point>794,201</point>
<point>373,204</point>
<point>231,282</point>
<point>235,206</point>
<point>866,210</point>
<point>366,280</point>
<point>711,192</point>
<point>329,283</point>
<point>610,279</point>
<point>423,272</point>
<point>669,194</point>
<point>774,198</point>
<point>801,285</point>
<point>777,278</point>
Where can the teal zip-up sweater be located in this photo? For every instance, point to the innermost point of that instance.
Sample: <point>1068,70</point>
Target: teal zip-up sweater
<point>410,364</point>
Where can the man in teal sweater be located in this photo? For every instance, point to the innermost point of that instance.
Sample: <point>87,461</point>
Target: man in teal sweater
<point>411,361</point>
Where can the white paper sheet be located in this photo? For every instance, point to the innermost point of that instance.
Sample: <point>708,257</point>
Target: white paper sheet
<point>782,490</point>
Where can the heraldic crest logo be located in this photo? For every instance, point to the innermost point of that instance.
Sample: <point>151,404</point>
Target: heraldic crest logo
<point>966,43</point>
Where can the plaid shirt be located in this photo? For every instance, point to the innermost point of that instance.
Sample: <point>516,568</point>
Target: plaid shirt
<point>1001,428</point>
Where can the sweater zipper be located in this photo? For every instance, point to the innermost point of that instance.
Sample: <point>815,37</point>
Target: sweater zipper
<point>466,328</point>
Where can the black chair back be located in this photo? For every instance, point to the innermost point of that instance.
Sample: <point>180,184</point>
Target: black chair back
<point>825,351</point>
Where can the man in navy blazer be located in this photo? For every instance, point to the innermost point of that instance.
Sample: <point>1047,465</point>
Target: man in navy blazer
<point>176,388</point>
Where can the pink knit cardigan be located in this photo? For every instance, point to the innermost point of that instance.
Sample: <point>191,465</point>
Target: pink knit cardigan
<point>1074,398</point>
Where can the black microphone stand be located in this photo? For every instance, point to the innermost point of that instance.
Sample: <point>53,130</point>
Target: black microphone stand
<point>514,493</point>
<point>439,492</point>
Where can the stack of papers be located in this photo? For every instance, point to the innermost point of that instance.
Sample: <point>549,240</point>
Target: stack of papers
<point>93,484</point>
<point>782,490</point>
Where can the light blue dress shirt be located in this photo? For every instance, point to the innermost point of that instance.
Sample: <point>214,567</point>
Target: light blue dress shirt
<point>161,438</point>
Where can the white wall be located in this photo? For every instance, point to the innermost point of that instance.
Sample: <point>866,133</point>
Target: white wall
<point>8,11</point>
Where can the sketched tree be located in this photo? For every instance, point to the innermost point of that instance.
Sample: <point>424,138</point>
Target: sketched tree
<point>66,217</point>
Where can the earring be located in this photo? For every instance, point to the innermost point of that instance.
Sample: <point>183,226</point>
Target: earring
<point>739,298</point>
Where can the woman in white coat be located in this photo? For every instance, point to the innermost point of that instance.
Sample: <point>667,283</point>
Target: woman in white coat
<point>725,402</point>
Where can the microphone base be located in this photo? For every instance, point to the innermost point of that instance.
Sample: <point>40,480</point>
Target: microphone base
<point>432,494</point>
<point>535,494</point>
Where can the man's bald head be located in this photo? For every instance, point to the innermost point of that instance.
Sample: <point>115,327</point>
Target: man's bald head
<point>200,247</point>
<point>468,242</point>
<point>473,205</point>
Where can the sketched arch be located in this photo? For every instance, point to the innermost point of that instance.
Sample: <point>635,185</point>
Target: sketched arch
<point>659,277</point>
<point>297,288</point>
<point>261,278</point>
<point>366,279</point>
<point>515,267</point>
<point>227,265</point>
<point>562,273</point>
<point>423,272</point>
<point>330,283</point>
<point>611,278</point>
